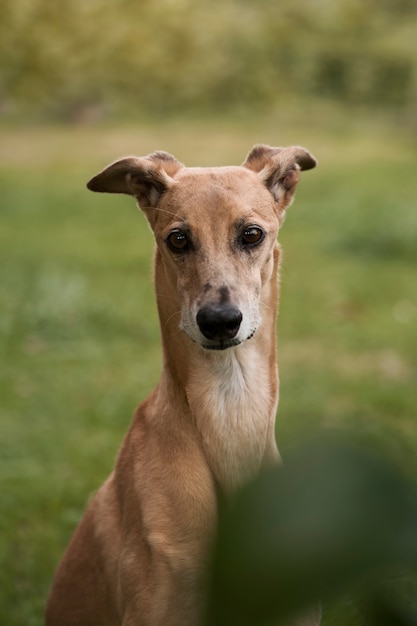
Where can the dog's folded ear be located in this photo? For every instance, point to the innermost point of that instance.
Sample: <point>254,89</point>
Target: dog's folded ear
<point>145,178</point>
<point>279,169</point>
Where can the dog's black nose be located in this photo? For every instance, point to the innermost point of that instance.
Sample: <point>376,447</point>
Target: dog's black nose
<point>219,321</point>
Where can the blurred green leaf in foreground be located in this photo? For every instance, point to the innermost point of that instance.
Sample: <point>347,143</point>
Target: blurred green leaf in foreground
<point>335,515</point>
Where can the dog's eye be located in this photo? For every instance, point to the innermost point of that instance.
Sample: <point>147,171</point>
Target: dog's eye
<point>252,235</point>
<point>177,240</point>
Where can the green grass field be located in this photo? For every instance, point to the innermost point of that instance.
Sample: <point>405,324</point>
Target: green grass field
<point>79,332</point>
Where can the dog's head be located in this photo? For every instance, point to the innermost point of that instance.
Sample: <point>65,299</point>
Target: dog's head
<point>216,231</point>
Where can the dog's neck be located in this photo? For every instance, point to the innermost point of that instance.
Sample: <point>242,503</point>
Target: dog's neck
<point>230,396</point>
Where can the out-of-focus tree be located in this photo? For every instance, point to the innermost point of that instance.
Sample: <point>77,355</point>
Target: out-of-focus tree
<point>62,59</point>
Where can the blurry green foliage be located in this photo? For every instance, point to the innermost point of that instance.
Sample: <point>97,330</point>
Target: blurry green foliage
<point>336,513</point>
<point>77,58</point>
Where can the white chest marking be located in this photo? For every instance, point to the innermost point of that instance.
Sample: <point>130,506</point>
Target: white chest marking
<point>231,398</point>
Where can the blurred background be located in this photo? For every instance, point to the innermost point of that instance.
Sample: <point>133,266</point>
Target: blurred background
<point>83,82</point>
<point>96,60</point>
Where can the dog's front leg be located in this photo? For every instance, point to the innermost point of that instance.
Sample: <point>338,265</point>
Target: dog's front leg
<point>172,594</point>
<point>168,528</point>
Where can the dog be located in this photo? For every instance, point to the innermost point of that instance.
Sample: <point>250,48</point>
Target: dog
<point>139,555</point>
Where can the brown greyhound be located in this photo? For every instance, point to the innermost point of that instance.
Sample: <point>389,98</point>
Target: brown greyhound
<point>138,556</point>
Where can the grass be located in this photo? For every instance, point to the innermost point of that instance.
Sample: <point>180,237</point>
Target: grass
<point>79,333</point>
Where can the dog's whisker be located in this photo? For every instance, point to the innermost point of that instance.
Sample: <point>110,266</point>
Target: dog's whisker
<point>161,210</point>
<point>171,317</point>
<point>265,307</point>
<point>163,296</point>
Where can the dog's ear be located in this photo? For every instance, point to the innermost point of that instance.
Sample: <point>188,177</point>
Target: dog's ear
<point>145,178</point>
<point>279,170</point>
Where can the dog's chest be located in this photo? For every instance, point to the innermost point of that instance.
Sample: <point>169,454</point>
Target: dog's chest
<point>231,397</point>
